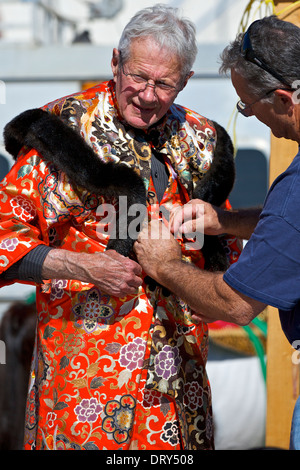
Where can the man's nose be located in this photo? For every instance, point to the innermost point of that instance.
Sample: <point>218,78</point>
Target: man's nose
<point>149,92</point>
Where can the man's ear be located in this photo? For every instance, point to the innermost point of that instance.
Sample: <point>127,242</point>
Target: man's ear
<point>187,79</point>
<point>284,99</point>
<point>115,62</point>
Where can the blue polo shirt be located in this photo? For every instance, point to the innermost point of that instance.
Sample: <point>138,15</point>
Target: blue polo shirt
<point>268,269</point>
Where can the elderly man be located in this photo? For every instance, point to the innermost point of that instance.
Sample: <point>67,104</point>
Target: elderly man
<point>264,65</point>
<point>118,362</point>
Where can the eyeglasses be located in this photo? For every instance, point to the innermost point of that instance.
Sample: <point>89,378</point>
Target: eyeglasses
<point>249,55</point>
<point>245,109</point>
<point>159,86</point>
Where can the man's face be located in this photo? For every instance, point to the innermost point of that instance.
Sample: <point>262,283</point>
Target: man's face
<point>274,115</point>
<point>140,105</point>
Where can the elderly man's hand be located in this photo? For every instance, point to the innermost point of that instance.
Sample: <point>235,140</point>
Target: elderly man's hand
<point>155,247</point>
<point>115,274</point>
<point>111,272</point>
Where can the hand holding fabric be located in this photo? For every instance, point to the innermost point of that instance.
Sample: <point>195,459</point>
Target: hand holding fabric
<point>196,215</point>
<point>155,247</point>
<point>111,272</point>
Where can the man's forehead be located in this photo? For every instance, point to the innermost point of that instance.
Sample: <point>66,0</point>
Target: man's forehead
<point>241,85</point>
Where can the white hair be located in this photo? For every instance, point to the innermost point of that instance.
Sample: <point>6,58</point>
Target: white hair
<point>168,30</point>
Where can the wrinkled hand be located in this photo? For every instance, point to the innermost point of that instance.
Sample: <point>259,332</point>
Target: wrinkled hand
<point>196,216</point>
<point>111,272</point>
<point>155,247</point>
<point>115,274</point>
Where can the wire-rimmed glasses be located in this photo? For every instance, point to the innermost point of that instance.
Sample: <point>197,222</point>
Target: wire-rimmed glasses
<point>158,85</point>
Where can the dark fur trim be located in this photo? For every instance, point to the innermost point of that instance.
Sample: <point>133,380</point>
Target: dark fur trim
<point>215,187</point>
<point>218,181</point>
<point>67,150</point>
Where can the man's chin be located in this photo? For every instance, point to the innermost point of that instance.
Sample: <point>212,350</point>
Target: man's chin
<point>141,121</point>
<point>139,124</point>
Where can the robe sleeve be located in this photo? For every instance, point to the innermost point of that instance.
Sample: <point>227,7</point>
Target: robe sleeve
<point>23,225</point>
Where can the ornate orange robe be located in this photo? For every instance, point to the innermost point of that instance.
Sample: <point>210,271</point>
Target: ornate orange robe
<point>110,373</point>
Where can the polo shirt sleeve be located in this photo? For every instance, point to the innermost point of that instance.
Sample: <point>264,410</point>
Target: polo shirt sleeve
<point>268,269</point>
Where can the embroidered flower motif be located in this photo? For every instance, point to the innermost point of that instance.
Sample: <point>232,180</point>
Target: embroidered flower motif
<point>119,418</point>
<point>170,433</point>
<point>51,181</point>
<point>93,310</point>
<point>9,244</point>
<point>151,398</point>
<point>167,362</point>
<point>51,417</point>
<point>88,410</point>
<point>22,208</point>
<point>132,354</point>
<point>57,288</point>
<point>193,395</point>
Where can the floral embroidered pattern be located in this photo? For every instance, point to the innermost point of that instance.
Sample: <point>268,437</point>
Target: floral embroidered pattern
<point>9,244</point>
<point>193,395</point>
<point>51,417</point>
<point>132,354</point>
<point>23,208</point>
<point>170,433</point>
<point>88,410</point>
<point>93,310</point>
<point>119,417</point>
<point>151,398</point>
<point>167,362</point>
<point>32,402</point>
<point>57,288</point>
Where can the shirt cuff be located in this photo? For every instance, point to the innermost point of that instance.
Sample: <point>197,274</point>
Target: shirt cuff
<point>29,268</point>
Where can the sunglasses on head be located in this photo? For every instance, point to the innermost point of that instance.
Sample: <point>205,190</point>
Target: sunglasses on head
<point>249,55</point>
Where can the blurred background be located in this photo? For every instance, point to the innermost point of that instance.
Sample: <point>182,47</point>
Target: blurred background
<point>52,48</point>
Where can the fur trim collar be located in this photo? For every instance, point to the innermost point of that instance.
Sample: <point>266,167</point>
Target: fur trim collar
<point>67,150</point>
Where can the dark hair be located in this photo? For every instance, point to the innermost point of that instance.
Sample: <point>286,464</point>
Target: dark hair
<point>277,43</point>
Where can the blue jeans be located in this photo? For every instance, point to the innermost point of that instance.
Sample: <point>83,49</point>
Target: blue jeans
<point>295,428</point>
